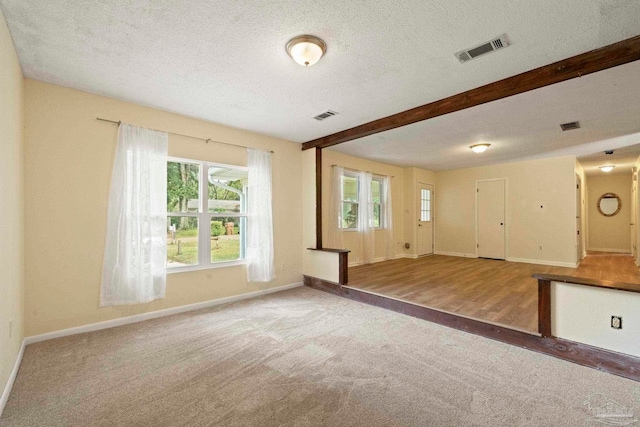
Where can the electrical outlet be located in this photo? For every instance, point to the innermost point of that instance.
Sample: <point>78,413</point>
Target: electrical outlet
<point>283,266</point>
<point>10,328</point>
<point>539,247</point>
<point>616,322</point>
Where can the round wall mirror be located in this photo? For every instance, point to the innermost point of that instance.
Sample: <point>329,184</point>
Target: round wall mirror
<point>609,204</point>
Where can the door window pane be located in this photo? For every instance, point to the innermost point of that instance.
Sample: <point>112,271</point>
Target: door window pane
<point>425,204</point>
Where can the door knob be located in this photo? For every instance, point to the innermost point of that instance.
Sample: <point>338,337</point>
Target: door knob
<point>501,224</point>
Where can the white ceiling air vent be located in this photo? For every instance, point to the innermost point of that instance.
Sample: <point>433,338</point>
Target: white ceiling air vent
<point>325,115</point>
<point>495,44</point>
<point>570,126</point>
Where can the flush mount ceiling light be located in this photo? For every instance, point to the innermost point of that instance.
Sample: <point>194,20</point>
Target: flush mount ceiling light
<point>306,50</point>
<point>607,168</point>
<point>479,148</point>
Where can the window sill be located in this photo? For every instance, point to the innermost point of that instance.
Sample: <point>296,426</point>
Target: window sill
<point>172,270</point>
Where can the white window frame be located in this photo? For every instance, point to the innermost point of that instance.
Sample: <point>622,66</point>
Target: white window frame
<point>205,217</point>
<point>343,201</point>
<point>429,200</point>
<point>379,179</point>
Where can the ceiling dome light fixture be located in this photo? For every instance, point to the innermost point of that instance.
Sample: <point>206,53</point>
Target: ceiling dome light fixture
<point>480,148</point>
<point>306,50</point>
<point>607,168</point>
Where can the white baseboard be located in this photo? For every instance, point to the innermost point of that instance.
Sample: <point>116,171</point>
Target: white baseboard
<point>154,314</point>
<point>544,262</point>
<point>458,254</point>
<point>357,263</point>
<point>617,251</point>
<point>12,378</point>
<point>410,256</point>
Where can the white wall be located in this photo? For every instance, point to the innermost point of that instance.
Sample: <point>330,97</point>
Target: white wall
<point>540,210</point>
<point>583,314</point>
<point>610,233</point>
<point>11,206</point>
<point>68,162</point>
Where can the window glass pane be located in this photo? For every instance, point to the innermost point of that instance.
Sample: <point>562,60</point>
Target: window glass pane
<point>182,187</point>
<point>225,189</point>
<point>349,188</point>
<point>182,241</point>
<point>376,215</point>
<point>226,235</point>
<point>375,190</point>
<point>349,215</point>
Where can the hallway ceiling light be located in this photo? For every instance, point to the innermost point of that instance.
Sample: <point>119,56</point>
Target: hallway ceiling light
<point>480,148</point>
<point>607,168</point>
<point>306,50</point>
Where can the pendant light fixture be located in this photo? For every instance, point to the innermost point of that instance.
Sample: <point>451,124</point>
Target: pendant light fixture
<point>306,50</point>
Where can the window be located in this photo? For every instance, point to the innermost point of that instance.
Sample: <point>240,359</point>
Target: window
<point>350,196</point>
<point>350,193</point>
<point>376,193</point>
<point>206,213</point>
<point>425,204</point>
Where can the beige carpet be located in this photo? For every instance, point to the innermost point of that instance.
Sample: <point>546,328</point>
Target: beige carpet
<point>301,358</point>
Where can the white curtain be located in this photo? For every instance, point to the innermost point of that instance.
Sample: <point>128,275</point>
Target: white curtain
<point>260,267</point>
<point>365,217</point>
<point>135,255</point>
<point>390,252</point>
<point>335,209</point>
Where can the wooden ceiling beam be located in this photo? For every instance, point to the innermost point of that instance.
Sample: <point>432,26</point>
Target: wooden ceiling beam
<point>600,59</point>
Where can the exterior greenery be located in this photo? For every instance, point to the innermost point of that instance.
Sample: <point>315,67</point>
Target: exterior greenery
<point>182,231</point>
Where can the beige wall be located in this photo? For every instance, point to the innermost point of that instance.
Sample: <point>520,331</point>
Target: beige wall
<point>610,233</point>
<point>353,239</point>
<point>11,206</point>
<point>68,161</point>
<point>548,183</point>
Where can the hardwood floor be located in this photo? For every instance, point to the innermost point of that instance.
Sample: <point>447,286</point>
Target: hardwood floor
<point>498,292</point>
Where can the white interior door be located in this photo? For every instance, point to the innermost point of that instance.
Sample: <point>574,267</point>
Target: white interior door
<point>490,219</point>
<point>634,207</point>
<point>579,217</point>
<point>424,245</point>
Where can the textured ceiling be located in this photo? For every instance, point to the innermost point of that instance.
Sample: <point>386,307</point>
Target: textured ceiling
<point>524,127</point>
<point>225,61</point>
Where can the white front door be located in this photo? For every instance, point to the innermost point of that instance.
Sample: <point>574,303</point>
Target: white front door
<point>424,245</point>
<point>490,220</point>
